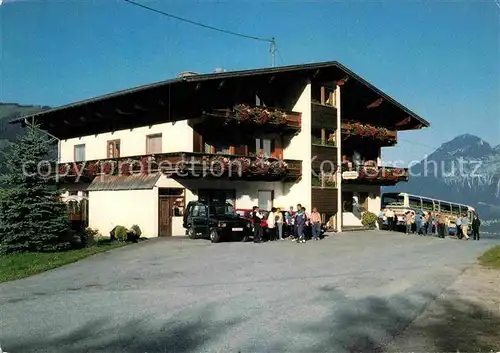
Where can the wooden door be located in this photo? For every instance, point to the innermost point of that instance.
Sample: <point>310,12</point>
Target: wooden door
<point>165,213</point>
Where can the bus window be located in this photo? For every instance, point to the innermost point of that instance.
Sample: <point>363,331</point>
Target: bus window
<point>415,202</point>
<point>455,209</point>
<point>470,215</point>
<point>392,199</point>
<point>427,205</point>
<point>437,206</point>
<point>445,207</point>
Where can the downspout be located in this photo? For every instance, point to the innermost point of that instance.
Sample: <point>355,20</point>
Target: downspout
<point>338,137</point>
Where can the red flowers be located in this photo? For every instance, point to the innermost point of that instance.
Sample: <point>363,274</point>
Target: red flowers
<point>259,115</point>
<point>125,168</point>
<point>107,168</point>
<point>359,129</point>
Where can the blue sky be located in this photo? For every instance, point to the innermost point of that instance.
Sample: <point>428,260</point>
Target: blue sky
<point>440,59</point>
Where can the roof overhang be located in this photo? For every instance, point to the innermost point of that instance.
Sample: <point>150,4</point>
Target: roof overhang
<point>162,101</point>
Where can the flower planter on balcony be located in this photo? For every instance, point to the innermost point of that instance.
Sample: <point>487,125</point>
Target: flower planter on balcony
<point>184,165</point>
<point>198,165</point>
<point>258,116</point>
<point>369,132</point>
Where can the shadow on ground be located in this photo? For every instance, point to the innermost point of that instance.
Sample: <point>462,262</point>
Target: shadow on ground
<point>373,324</point>
<point>186,334</point>
<point>354,324</point>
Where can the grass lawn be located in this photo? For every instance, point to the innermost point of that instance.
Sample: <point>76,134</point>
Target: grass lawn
<point>22,265</point>
<point>491,258</point>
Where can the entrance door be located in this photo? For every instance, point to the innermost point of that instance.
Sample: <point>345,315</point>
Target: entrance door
<point>347,201</point>
<point>165,212</point>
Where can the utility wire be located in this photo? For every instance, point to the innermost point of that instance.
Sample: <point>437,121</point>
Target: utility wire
<point>417,144</point>
<point>281,58</point>
<point>200,24</point>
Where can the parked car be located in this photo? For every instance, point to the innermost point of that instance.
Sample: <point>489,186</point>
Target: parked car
<point>216,221</point>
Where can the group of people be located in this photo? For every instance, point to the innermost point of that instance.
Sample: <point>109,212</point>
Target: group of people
<point>429,224</point>
<point>291,224</point>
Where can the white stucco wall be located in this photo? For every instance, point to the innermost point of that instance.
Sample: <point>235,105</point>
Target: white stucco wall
<point>108,209</point>
<point>300,148</point>
<point>176,137</point>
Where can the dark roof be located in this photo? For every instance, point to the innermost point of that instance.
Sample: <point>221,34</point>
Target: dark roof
<point>123,182</point>
<point>292,72</point>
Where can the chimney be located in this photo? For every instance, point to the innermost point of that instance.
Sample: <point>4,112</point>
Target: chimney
<point>188,73</point>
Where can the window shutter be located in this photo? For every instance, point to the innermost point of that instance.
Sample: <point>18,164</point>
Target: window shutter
<point>197,142</point>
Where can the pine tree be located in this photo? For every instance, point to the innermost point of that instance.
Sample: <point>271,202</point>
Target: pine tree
<point>32,215</point>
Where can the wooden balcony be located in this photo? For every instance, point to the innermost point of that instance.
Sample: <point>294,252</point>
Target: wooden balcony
<point>374,175</point>
<point>185,165</point>
<point>358,130</point>
<point>244,116</point>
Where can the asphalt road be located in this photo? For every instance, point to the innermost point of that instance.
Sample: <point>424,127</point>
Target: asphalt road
<point>349,292</point>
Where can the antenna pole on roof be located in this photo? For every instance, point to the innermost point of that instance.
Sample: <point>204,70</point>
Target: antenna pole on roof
<point>272,50</point>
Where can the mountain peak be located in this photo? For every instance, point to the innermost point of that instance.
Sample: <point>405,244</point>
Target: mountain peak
<point>465,145</point>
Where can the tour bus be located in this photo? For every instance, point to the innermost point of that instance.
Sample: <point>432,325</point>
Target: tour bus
<point>403,202</point>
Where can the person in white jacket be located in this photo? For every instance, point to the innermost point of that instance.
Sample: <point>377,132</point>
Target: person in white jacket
<point>271,224</point>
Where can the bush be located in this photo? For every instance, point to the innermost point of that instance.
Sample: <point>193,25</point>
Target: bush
<point>90,237</point>
<point>369,219</point>
<point>136,230</point>
<point>121,233</point>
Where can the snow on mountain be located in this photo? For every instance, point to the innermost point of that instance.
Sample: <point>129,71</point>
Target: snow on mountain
<point>466,170</point>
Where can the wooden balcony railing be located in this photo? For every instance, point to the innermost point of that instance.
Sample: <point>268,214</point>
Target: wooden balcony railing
<point>258,116</point>
<point>185,165</point>
<point>375,175</point>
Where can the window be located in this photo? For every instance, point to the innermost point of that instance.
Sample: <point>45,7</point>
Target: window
<point>427,205</point>
<point>217,147</point>
<point>154,144</point>
<point>221,209</point>
<point>264,146</point>
<point>392,200</point>
<point>414,202</point>
<point>445,207</point>
<point>79,153</point>
<point>200,211</point>
<point>114,149</point>
<point>265,200</point>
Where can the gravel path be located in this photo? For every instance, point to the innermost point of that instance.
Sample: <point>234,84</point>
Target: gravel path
<point>349,292</point>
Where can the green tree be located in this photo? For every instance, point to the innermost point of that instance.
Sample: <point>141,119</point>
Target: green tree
<point>32,215</point>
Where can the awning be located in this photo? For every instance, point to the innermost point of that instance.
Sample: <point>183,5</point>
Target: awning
<point>123,182</point>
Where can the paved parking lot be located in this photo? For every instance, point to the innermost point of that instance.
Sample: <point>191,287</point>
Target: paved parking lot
<point>351,291</point>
